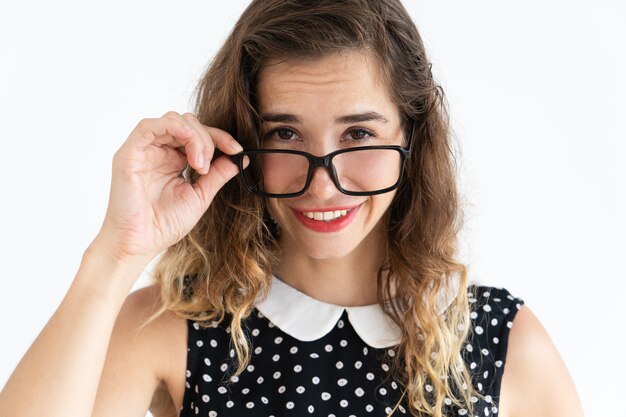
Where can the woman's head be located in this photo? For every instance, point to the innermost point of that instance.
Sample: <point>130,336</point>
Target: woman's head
<point>313,59</point>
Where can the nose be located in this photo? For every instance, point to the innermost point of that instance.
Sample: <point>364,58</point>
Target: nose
<point>322,186</point>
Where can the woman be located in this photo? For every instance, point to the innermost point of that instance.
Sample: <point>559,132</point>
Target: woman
<point>322,279</point>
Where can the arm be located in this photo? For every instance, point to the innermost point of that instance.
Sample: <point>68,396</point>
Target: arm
<point>60,372</point>
<point>535,381</point>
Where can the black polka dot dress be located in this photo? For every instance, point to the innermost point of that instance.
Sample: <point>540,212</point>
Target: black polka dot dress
<point>313,358</point>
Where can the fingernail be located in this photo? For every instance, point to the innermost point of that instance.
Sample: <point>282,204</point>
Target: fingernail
<point>200,160</point>
<point>236,146</point>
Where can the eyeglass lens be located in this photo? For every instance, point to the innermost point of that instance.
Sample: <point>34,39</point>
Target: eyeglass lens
<point>363,170</point>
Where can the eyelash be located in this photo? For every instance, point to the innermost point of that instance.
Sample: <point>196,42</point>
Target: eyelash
<point>271,133</point>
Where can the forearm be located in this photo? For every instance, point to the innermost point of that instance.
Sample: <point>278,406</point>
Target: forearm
<point>60,372</point>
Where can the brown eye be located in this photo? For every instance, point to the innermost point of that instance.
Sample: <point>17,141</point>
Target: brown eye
<point>360,134</point>
<point>284,134</point>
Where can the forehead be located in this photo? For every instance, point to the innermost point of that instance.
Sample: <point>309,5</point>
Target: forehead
<point>340,79</point>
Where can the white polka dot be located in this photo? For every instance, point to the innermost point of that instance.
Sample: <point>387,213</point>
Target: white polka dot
<point>197,411</point>
<point>315,380</point>
<point>196,326</point>
<point>485,374</point>
<point>494,409</point>
<point>494,322</point>
<point>343,343</point>
<point>258,350</point>
<point>487,308</point>
<point>391,352</point>
<point>369,376</point>
<point>469,347</point>
<point>230,404</point>
<point>212,413</point>
<point>314,355</point>
<point>402,410</point>
<point>385,367</point>
<point>473,365</point>
<point>328,348</point>
<point>234,378</point>
<point>342,381</point>
<point>300,389</point>
<point>271,325</point>
<point>343,403</point>
<point>281,389</point>
<point>382,391</point>
<point>365,351</point>
<point>340,324</point>
<point>447,401</point>
<point>486,411</point>
<point>289,405</point>
<point>388,410</point>
<point>297,368</point>
<point>250,368</point>
<point>205,398</point>
<point>276,375</point>
<point>394,385</point>
<point>358,364</point>
<point>339,365</point>
<point>207,378</point>
<point>232,353</point>
<point>369,408</point>
<point>250,404</point>
<point>479,330</point>
<point>486,294</point>
<point>293,349</point>
<point>207,362</point>
<point>496,340</point>
<point>276,357</point>
<point>264,400</point>
<point>255,332</point>
<point>188,373</point>
<point>488,398</point>
<point>222,390</point>
<point>429,388</point>
<point>325,396</point>
<point>498,364</point>
<point>484,351</point>
<point>199,343</point>
<point>480,386</point>
<point>462,411</point>
<point>213,343</point>
<point>509,324</point>
<point>311,409</point>
<point>245,390</point>
<point>505,310</point>
<point>518,305</point>
<point>359,392</point>
<point>473,399</point>
<point>278,340</point>
<point>473,315</point>
<point>259,380</point>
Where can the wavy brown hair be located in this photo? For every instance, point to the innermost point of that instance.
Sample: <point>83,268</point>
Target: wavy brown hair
<point>227,259</point>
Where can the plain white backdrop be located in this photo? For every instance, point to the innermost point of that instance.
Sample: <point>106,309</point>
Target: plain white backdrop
<point>536,92</point>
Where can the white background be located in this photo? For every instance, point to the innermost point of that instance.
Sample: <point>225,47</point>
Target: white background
<point>536,93</point>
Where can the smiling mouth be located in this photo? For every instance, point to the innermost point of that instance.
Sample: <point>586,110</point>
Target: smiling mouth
<point>325,216</point>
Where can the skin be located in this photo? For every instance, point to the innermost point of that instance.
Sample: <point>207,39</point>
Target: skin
<point>340,267</point>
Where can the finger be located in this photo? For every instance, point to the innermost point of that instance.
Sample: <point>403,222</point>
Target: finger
<point>222,170</point>
<point>208,146</point>
<point>224,141</point>
<point>171,130</point>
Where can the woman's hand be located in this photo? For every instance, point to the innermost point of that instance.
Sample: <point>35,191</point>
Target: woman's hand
<point>151,206</point>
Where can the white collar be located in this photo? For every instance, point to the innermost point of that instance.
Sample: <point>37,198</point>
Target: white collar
<point>293,312</point>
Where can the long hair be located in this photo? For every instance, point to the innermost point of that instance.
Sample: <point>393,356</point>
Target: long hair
<point>226,261</point>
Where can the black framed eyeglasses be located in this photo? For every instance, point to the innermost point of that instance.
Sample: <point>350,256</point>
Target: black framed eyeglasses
<point>360,171</point>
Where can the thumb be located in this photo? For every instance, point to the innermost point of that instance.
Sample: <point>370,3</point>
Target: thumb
<point>220,172</point>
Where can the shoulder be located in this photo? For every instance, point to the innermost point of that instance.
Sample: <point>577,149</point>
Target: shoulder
<point>535,381</point>
<point>141,356</point>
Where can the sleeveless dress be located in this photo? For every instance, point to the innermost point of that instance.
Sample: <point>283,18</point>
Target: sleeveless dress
<point>309,357</point>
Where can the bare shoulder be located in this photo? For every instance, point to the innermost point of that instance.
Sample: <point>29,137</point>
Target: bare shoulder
<point>535,381</point>
<point>145,366</point>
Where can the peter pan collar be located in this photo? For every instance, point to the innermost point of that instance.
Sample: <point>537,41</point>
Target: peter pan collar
<point>307,319</point>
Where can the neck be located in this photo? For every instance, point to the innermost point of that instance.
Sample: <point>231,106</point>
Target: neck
<point>348,281</point>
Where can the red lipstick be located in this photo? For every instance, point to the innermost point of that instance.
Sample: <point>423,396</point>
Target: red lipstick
<point>327,226</point>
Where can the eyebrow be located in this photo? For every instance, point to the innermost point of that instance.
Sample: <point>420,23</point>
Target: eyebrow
<point>347,119</point>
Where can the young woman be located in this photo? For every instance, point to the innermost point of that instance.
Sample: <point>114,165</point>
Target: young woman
<point>321,280</point>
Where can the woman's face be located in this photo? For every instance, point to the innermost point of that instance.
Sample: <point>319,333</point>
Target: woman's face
<point>304,103</point>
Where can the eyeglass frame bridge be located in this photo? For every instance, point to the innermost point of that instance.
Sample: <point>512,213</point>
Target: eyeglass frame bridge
<point>323,162</point>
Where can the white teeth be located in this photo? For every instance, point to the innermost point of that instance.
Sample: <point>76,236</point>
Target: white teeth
<point>325,215</point>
